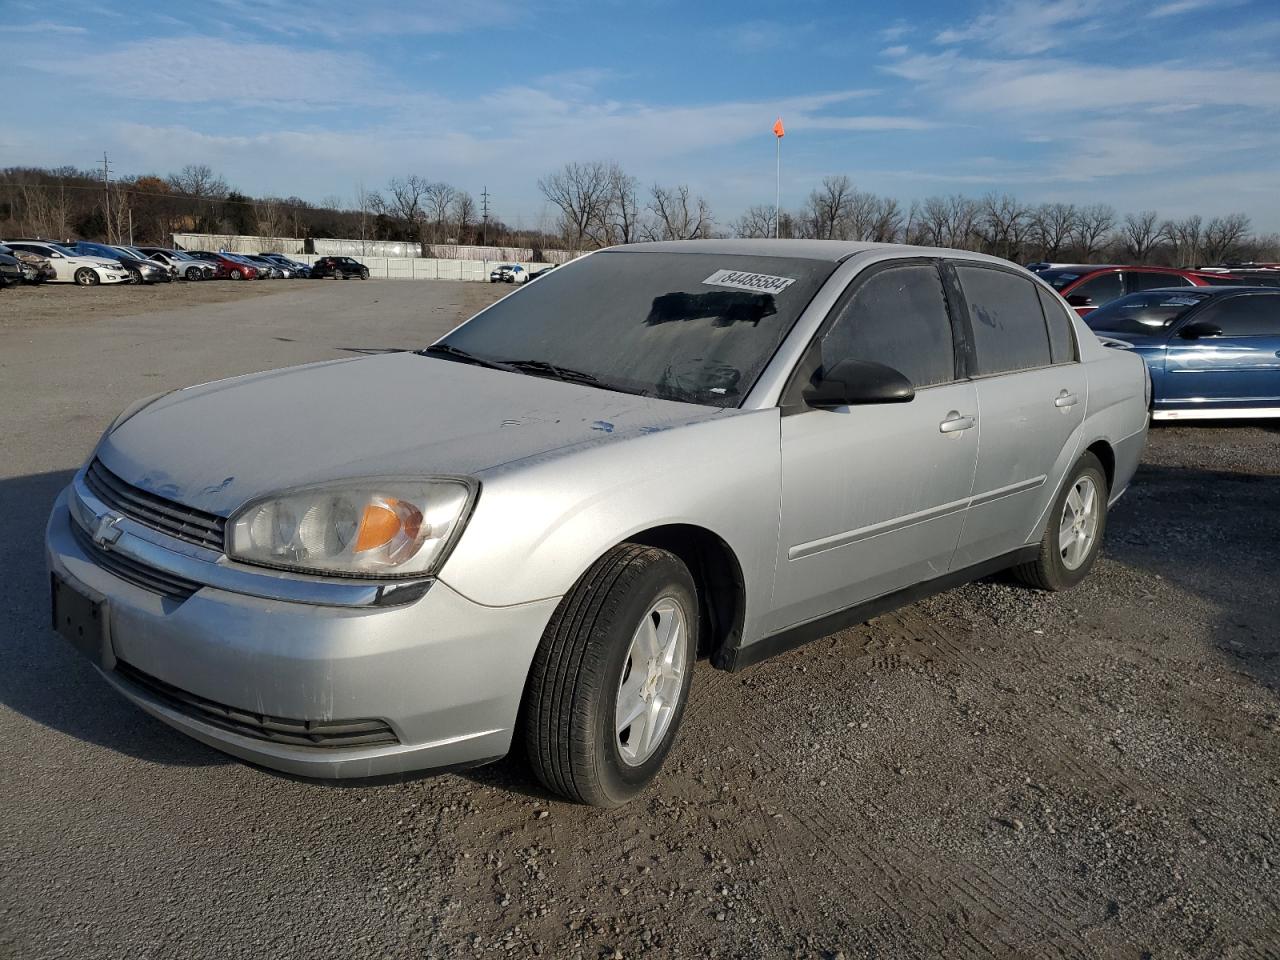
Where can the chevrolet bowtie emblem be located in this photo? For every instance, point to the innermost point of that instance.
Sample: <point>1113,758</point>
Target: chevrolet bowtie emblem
<point>107,530</point>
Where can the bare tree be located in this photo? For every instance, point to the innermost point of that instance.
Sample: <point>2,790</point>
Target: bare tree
<point>1051,227</point>
<point>677,214</point>
<point>1092,227</point>
<point>1141,234</point>
<point>828,208</point>
<point>1224,235</point>
<point>755,222</point>
<point>580,191</point>
<point>198,180</point>
<point>622,213</point>
<point>464,214</point>
<point>438,201</point>
<point>886,221</point>
<point>948,221</point>
<point>404,201</point>
<point>1185,237</point>
<point>1002,222</point>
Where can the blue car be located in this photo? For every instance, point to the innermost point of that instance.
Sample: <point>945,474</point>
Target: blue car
<point>1213,352</point>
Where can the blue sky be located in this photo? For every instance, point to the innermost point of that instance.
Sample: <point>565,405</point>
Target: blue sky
<point>1170,105</point>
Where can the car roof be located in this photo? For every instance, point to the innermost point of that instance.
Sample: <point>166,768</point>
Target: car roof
<point>832,251</point>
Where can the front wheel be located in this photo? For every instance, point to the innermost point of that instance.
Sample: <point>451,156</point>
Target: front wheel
<point>194,273</point>
<point>1077,522</point>
<point>364,274</point>
<point>610,680</point>
<point>237,275</point>
<point>87,277</point>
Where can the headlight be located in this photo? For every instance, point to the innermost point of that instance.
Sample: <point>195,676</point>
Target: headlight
<point>358,528</point>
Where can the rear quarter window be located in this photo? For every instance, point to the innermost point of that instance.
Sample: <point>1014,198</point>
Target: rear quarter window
<point>1057,321</point>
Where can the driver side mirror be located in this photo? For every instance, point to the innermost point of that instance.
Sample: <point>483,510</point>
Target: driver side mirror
<point>1079,300</point>
<point>1197,329</point>
<point>853,382</point>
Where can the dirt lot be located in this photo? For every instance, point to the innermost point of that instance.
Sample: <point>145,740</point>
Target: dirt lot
<point>993,772</point>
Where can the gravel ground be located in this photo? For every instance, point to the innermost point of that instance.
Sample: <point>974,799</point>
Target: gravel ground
<point>993,772</point>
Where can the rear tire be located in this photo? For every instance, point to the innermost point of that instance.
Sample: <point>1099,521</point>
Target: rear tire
<point>1077,522</point>
<point>87,277</point>
<point>627,633</point>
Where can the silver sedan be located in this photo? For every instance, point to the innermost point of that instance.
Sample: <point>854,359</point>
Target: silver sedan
<point>526,534</point>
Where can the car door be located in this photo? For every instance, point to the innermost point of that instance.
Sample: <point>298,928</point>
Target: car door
<point>1239,366</point>
<point>1031,402</point>
<point>873,497</point>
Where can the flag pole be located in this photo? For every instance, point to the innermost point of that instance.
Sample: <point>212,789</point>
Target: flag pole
<point>777,191</point>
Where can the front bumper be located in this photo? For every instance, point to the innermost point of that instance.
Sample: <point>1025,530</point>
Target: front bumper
<point>445,674</point>
<point>112,275</point>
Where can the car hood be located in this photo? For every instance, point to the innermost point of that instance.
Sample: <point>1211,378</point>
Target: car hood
<point>218,445</point>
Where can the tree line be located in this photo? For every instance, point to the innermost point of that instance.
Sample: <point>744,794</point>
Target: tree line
<point>596,204</point>
<point>599,204</point>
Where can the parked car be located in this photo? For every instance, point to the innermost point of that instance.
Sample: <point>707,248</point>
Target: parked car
<point>229,266</point>
<point>141,270</point>
<point>339,267</point>
<point>538,274</point>
<point>291,268</point>
<point>1242,276</point>
<point>1087,287</point>
<point>71,267</point>
<point>412,560</point>
<point>508,273</point>
<point>181,263</point>
<point>11,272</point>
<point>261,272</point>
<point>1213,352</point>
<point>273,269</point>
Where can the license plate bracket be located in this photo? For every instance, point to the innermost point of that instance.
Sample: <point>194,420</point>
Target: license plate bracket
<point>80,618</point>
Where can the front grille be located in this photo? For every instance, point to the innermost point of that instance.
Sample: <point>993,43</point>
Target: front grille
<point>185,523</point>
<point>133,571</point>
<point>303,733</point>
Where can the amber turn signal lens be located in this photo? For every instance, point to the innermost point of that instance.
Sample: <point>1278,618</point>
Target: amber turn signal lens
<point>378,526</point>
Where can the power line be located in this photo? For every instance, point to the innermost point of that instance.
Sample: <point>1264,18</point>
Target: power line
<point>484,206</point>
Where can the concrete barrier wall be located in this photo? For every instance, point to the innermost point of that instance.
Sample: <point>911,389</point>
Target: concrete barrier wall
<point>419,268</point>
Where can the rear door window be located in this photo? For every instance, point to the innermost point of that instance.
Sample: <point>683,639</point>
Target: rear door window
<point>1100,289</point>
<point>897,317</point>
<point>1138,280</point>
<point>1249,315</point>
<point>1008,323</point>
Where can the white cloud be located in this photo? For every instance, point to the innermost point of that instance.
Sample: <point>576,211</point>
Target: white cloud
<point>343,18</point>
<point>1179,7</point>
<point>1027,26</point>
<point>43,27</point>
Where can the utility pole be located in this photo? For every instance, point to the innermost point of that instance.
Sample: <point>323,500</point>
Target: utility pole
<point>484,206</point>
<point>106,192</point>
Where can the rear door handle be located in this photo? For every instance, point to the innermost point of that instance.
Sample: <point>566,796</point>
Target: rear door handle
<point>1066,400</point>
<point>955,422</point>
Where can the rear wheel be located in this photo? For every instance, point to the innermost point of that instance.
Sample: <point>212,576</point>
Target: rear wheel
<point>87,277</point>
<point>1077,522</point>
<point>611,678</point>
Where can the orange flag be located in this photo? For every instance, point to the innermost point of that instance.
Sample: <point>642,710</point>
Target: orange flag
<point>779,130</point>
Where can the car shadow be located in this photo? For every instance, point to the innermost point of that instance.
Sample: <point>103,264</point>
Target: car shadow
<point>44,678</point>
<point>1211,534</point>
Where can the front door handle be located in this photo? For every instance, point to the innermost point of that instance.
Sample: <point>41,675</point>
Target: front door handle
<point>1066,400</point>
<point>955,422</point>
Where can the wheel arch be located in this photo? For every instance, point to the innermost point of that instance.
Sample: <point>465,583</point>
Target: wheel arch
<point>1107,457</point>
<point>716,572</point>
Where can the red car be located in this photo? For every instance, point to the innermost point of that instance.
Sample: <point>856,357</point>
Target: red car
<point>227,268</point>
<point>1089,286</point>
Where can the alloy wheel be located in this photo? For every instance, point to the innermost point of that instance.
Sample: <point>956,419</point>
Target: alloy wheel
<point>1078,528</point>
<point>650,687</point>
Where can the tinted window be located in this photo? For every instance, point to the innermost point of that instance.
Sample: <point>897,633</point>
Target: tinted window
<point>1250,315</point>
<point>1101,289</point>
<point>698,327</point>
<point>1062,344</point>
<point>1008,325</point>
<point>1136,280</point>
<point>897,317</point>
<point>1059,278</point>
<point>1143,313</point>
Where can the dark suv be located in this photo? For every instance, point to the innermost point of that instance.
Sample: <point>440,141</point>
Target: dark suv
<point>339,267</point>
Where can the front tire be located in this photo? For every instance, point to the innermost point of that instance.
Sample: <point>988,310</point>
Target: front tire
<point>237,275</point>
<point>87,277</point>
<point>364,274</point>
<point>194,273</point>
<point>611,678</point>
<point>1069,547</point>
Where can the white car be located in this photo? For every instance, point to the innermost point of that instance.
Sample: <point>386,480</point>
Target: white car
<point>71,267</point>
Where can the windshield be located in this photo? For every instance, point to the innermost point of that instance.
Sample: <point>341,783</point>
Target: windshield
<point>697,327</point>
<point>1143,313</point>
<point>1059,278</point>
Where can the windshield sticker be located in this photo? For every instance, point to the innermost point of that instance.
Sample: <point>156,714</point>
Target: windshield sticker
<point>740,280</point>
<point>1180,302</point>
